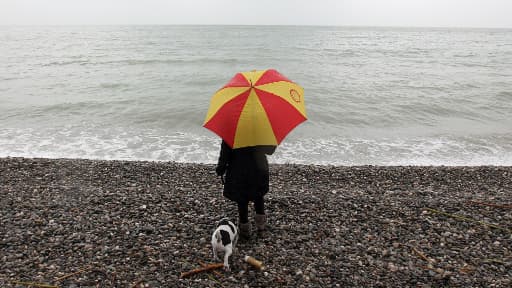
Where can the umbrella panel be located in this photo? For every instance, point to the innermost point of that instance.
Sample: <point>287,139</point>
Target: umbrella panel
<point>254,127</point>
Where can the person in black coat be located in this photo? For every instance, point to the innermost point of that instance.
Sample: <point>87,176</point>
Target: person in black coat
<point>247,180</point>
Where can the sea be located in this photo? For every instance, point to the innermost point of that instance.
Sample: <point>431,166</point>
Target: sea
<point>374,95</point>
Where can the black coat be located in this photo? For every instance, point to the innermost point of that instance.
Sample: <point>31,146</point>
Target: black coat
<point>246,171</point>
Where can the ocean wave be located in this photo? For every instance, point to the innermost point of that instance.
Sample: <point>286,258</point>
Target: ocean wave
<point>114,85</point>
<point>137,62</point>
<point>156,145</point>
<point>84,107</point>
<point>10,78</point>
<point>504,97</point>
<point>191,60</point>
<point>440,150</point>
<point>66,62</point>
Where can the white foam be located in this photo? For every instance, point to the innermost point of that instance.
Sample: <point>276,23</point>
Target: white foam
<point>440,150</point>
<point>156,145</point>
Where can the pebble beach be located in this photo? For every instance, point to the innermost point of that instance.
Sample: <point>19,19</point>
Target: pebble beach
<point>91,223</point>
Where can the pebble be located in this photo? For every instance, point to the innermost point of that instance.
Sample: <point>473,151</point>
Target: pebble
<point>147,222</point>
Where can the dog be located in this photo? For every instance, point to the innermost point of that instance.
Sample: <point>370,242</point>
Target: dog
<point>224,239</point>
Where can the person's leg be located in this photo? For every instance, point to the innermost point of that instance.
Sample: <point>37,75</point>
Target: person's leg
<point>243,212</point>
<point>243,220</point>
<point>260,218</point>
<point>259,205</point>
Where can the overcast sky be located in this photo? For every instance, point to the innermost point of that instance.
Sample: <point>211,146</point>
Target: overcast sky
<point>428,13</point>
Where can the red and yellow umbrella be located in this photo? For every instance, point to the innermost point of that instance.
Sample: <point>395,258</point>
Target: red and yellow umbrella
<point>256,108</point>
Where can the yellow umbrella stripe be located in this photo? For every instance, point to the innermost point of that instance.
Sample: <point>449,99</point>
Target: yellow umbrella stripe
<point>222,97</point>
<point>288,91</point>
<point>253,76</point>
<point>253,127</point>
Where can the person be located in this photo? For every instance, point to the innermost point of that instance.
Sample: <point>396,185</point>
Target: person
<point>246,180</point>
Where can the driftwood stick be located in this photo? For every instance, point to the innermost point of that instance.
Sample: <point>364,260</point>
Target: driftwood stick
<point>33,284</point>
<point>214,271</point>
<point>466,269</point>
<point>73,274</point>
<point>421,255</point>
<point>208,267</point>
<point>494,260</point>
<point>468,220</point>
<point>504,206</point>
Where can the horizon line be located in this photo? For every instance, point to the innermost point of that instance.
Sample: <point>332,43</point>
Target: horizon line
<point>270,25</point>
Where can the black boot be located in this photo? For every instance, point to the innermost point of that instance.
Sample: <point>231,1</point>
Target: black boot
<point>245,230</point>
<point>261,222</point>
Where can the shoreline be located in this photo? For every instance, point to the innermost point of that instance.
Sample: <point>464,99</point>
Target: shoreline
<point>2,158</point>
<point>131,221</point>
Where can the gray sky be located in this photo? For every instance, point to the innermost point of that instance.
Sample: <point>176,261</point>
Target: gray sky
<point>430,13</point>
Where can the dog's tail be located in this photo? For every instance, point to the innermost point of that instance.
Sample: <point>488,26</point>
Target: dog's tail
<point>218,238</point>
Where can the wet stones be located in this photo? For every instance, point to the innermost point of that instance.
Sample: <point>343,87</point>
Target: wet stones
<point>146,222</point>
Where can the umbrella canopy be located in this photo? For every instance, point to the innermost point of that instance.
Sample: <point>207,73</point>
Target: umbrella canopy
<point>256,108</point>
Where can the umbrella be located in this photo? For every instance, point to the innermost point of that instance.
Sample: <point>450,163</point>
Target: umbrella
<point>256,108</point>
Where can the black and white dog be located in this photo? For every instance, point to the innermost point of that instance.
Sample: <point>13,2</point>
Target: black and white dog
<point>224,239</point>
